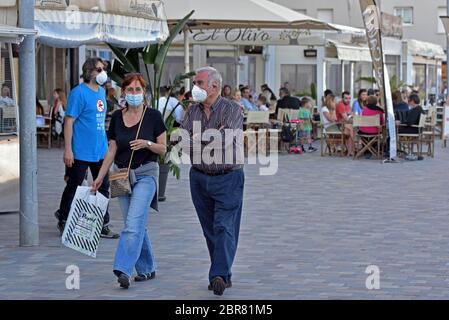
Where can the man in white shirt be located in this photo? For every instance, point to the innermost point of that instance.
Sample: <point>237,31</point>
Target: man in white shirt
<point>173,104</point>
<point>5,98</point>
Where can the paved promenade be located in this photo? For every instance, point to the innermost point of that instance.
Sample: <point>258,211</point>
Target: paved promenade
<point>308,232</point>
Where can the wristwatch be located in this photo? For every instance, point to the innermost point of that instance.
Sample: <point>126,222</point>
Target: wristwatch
<point>150,143</point>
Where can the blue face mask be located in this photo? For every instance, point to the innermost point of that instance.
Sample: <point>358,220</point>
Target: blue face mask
<point>134,100</point>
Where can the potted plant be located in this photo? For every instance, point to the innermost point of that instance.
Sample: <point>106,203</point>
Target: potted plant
<point>153,57</point>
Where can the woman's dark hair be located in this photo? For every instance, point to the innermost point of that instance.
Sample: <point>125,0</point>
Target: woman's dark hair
<point>130,78</point>
<point>414,98</point>
<point>266,87</point>
<point>223,90</point>
<point>188,96</point>
<point>89,66</point>
<point>361,91</point>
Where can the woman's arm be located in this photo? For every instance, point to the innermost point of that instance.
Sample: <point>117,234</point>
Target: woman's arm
<point>107,162</point>
<point>159,147</point>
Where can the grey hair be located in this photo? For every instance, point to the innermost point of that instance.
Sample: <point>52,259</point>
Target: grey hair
<point>213,76</point>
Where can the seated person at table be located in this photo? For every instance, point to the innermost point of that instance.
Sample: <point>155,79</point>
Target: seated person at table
<point>39,108</point>
<point>343,110</point>
<point>359,104</point>
<point>5,97</point>
<point>328,116</point>
<point>305,132</point>
<point>237,98</point>
<point>246,101</point>
<point>413,116</point>
<point>372,109</point>
<point>287,101</point>
<point>262,103</point>
<point>398,102</point>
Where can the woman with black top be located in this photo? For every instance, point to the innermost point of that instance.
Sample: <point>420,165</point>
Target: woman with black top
<point>134,249</point>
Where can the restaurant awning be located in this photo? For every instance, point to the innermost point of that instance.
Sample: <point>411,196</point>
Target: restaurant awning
<point>130,24</point>
<point>348,52</point>
<point>359,51</point>
<point>425,49</point>
<point>240,14</point>
<point>15,35</point>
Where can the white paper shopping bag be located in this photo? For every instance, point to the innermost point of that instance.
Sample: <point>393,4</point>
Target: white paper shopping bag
<point>85,222</point>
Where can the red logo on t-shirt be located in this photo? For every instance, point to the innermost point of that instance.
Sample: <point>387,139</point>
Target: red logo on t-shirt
<point>100,105</point>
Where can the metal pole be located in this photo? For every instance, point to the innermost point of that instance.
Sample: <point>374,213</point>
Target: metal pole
<point>447,52</point>
<point>29,228</point>
<point>352,82</point>
<point>187,57</point>
<point>342,66</point>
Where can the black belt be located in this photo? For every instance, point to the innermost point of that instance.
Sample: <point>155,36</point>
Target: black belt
<point>219,172</point>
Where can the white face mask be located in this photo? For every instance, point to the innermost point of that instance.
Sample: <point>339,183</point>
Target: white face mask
<point>198,94</point>
<point>102,78</point>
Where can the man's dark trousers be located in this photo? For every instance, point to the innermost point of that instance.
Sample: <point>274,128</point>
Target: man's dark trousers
<point>218,201</point>
<point>77,174</point>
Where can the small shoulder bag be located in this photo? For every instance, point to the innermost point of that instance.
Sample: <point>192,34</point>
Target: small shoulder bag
<point>119,180</point>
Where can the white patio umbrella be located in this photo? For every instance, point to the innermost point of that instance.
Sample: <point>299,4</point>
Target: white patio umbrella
<point>218,14</point>
<point>71,23</point>
<point>214,14</point>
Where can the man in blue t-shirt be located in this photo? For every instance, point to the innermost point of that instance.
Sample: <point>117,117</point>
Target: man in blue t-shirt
<point>85,138</point>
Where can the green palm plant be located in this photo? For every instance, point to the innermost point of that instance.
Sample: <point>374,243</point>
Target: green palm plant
<point>153,57</point>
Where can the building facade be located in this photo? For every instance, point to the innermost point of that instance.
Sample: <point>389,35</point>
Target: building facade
<point>420,18</point>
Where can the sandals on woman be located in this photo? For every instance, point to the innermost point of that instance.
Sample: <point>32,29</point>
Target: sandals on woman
<point>145,277</point>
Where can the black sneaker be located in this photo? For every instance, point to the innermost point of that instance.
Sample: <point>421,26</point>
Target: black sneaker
<point>58,215</point>
<point>61,226</point>
<point>218,285</point>
<point>123,279</point>
<point>312,149</point>
<point>228,285</point>
<point>108,233</point>
<point>145,277</point>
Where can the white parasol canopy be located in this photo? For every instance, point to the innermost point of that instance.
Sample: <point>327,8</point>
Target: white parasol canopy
<point>71,23</point>
<point>214,14</point>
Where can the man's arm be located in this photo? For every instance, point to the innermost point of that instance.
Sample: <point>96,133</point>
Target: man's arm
<point>68,134</point>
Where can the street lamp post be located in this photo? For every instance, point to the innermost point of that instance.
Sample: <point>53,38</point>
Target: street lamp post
<point>447,51</point>
<point>29,228</point>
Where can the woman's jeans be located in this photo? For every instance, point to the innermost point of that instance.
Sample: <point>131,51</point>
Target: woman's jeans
<point>134,248</point>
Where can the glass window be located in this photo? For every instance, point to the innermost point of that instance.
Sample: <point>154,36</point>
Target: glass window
<point>362,70</point>
<point>406,13</point>
<point>8,105</point>
<point>419,79</point>
<point>333,77</point>
<point>299,76</point>
<point>227,68</point>
<point>432,81</point>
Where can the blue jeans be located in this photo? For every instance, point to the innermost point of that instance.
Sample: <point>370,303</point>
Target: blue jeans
<point>134,249</point>
<point>218,201</point>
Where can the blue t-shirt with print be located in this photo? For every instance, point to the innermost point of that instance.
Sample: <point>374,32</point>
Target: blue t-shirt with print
<point>88,108</point>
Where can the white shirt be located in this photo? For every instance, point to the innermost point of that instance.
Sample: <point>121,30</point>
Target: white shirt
<point>173,103</point>
<point>7,102</point>
<point>263,107</point>
<point>326,123</point>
